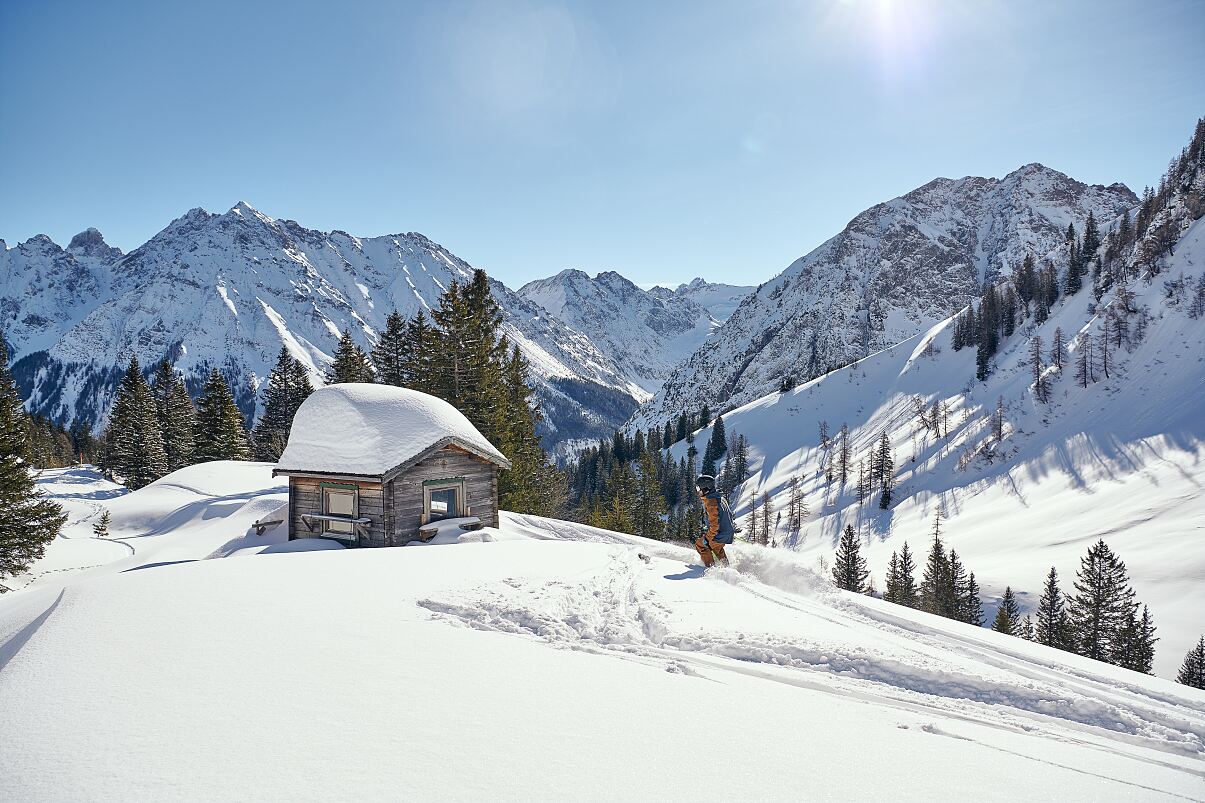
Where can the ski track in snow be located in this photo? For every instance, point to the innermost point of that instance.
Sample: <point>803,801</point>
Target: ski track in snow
<point>614,612</point>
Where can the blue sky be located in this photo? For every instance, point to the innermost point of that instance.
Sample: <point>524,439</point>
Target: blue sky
<point>664,140</point>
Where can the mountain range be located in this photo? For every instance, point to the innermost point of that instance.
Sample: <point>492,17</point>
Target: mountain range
<point>895,270</point>
<point>228,290</point>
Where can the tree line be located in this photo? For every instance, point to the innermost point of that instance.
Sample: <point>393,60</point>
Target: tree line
<point>1099,619</point>
<point>458,354</point>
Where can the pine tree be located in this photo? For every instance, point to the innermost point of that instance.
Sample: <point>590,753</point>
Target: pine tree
<point>650,504</point>
<point>1053,627</point>
<point>134,441</point>
<point>351,364</point>
<point>970,603</point>
<point>1134,646</point>
<point>101,528</point>
<point>179,427</point>
<point>177,418</point>
<point>420,345</point>
<point>1026,630</point>
<point>891,584</point>
<point>885,466</point>
<point>533,484</point>
<point>849,567</point>
<point>956,594</point>
<point>389,354</point>
<point>288,385</point>
<point>937,582</point>
<point>1103,602</point>
<point>908,592</point>
<point>1008,615</point>
<point>29,521</point>
<point>221,433</point>
<point>1192,671</point>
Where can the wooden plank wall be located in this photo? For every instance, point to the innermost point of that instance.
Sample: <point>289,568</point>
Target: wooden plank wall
<point>481,489</point>
<point>305,496</point>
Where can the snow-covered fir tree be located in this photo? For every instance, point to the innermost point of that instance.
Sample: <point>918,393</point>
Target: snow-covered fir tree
<point>101,528</point>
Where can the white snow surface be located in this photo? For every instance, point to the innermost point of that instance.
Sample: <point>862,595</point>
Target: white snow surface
<point>558,662</point>
<point>1122,459</point>
<point>360,428</point>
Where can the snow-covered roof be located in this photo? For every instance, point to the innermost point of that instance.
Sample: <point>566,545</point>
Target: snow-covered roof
<point>370,430</point>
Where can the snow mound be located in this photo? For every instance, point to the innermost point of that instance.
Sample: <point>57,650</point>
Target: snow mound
<point>364,429</point>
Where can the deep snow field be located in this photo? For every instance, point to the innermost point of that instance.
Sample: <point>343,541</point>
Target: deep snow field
<point>1122,460</point>
<point>188,658</point>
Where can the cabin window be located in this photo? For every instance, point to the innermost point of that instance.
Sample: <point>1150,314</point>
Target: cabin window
<point>443,499</point>
<point>340,501</point>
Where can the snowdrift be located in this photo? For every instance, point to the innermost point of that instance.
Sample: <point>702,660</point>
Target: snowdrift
<point>557,661</point>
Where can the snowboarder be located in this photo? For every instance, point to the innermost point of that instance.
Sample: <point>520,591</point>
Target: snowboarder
<point>717,523</point>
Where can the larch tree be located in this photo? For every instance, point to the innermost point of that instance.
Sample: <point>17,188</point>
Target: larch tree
<point>30,521</point>
<point>1040,386</point>
<point>1058,349</point>
<point>843,454</point>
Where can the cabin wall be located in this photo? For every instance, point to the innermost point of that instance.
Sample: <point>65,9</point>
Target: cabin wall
<point>305,496</point>
<point>481,489</point>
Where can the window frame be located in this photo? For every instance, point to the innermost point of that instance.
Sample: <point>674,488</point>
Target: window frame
<point>335,527</point>
<point>456,483</point>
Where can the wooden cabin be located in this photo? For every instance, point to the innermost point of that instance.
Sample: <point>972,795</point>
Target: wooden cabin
<point>369,465</point>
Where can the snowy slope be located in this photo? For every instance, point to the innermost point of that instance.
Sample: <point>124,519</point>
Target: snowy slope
<point>553,664</point>
<point>229,290</point>
<point>1121,459</point>
<point>896,269</point>
<point>645,332</point>
<point>720,300</point>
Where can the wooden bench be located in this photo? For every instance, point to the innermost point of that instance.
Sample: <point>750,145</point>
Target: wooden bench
<point>312,520</point>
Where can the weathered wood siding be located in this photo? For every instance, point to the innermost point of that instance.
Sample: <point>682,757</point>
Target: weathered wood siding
<point>480,484</point>
<point>305,496</point>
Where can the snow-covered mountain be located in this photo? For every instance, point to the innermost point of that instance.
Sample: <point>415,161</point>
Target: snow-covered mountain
<point>596,638</point>
<point>1117,456</point>
<point>718,299</point>
<point>896,269</point>
<point>228,290</point>
<point>644,332</point>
